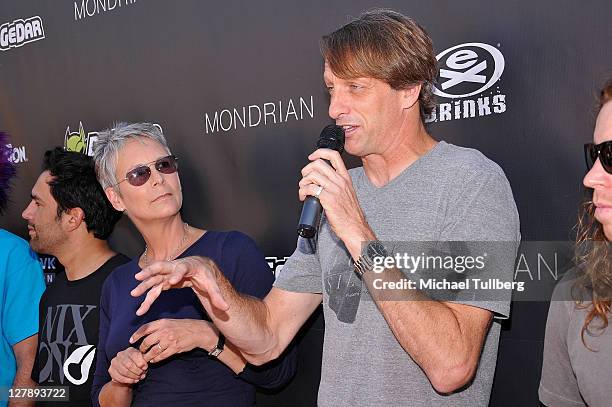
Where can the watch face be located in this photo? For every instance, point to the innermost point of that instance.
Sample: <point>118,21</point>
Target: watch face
<point>376,249</point>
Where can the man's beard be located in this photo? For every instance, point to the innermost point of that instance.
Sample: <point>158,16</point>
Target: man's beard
<point>46,242</point>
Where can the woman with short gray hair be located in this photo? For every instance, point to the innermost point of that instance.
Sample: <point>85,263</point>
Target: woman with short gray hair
<point>173,354</point>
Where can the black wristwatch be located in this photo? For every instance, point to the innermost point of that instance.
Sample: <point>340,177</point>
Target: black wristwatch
<point>216,351</point>
<point>371,251</point>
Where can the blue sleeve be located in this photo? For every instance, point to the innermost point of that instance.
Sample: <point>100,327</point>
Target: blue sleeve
<point>101,376</point>
<point>274,374</point>
<point>250,274</point>
<point>245,266</point>
<point>24,287</point>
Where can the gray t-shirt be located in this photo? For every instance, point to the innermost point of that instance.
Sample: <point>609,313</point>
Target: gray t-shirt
<point>449,194</point>
<point>573,375</point>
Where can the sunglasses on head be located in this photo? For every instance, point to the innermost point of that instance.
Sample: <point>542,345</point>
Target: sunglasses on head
<point>141,174</point>
<point>602,151</point>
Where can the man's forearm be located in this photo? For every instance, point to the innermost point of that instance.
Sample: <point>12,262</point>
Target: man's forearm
<point>430,331</point>
<point>115,395</point>
<point>245,323</point>
<point>414,319</point>
<point>22,380</point>
<point>22,377</point>
<point>25,352</point>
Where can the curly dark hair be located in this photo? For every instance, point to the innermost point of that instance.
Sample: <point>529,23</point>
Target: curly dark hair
<point>594,256</point>
<point>74,185</point>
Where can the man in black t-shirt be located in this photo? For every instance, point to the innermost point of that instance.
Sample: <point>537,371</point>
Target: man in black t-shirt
<point>70,218</point>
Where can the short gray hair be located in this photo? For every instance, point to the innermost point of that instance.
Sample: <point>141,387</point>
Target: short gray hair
<point>110,142</point>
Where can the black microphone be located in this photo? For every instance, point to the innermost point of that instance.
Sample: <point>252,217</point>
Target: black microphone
<point>332,137</point>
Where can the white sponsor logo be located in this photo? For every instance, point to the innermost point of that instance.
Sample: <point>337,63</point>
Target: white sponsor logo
<point>468,70</point>
<point>21,32</point>
<point>266,114</point>
<point>467,65</point>
<point>276,263</point>
<point>17,155</point>
<point>90,8</point>
<point>84,357</point>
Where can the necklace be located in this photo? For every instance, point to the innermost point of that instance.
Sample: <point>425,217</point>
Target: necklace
<point>174,254</point>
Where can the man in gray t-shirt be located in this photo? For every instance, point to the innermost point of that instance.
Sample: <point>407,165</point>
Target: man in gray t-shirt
<point>470,200</point>
<point>416,349</point>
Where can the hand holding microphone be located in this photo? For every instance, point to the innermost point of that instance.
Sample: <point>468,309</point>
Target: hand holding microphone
<point>331,137</point>
<point>327,178</point>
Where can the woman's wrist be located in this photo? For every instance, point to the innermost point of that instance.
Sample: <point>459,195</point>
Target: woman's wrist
<point>208,336</point>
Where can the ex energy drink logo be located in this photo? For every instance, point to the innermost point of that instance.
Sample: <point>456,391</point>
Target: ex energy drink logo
<point>20,32</point>
<point>468,69</point>
<point>468,73</point>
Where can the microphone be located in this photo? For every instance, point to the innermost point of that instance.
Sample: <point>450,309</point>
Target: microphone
<point>332,137</point>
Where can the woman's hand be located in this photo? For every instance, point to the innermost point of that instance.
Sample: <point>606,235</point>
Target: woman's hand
<point>128,367</point>
<point>166,337</point>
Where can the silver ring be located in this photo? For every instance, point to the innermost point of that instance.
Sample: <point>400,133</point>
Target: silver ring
<point>318,193</point>
<point>160,348</point>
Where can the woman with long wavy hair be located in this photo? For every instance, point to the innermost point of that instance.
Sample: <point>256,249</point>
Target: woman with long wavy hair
<point>577,366</point>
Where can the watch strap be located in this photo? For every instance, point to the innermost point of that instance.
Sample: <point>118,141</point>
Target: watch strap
<point>362,265</point>
<point>216,351</point>
<point>365,262</point>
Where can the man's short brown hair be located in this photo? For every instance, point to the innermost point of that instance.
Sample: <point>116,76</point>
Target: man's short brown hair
<point>385,45</point>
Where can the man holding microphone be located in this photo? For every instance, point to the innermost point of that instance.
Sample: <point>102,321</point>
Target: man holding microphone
<point>379,71</point>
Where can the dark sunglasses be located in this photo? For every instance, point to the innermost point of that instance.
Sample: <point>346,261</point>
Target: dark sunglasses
<point>602,151</point>
<point>141,174</point>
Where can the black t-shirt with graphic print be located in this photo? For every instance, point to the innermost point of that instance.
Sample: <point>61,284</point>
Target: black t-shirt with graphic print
<point>68,333</point>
